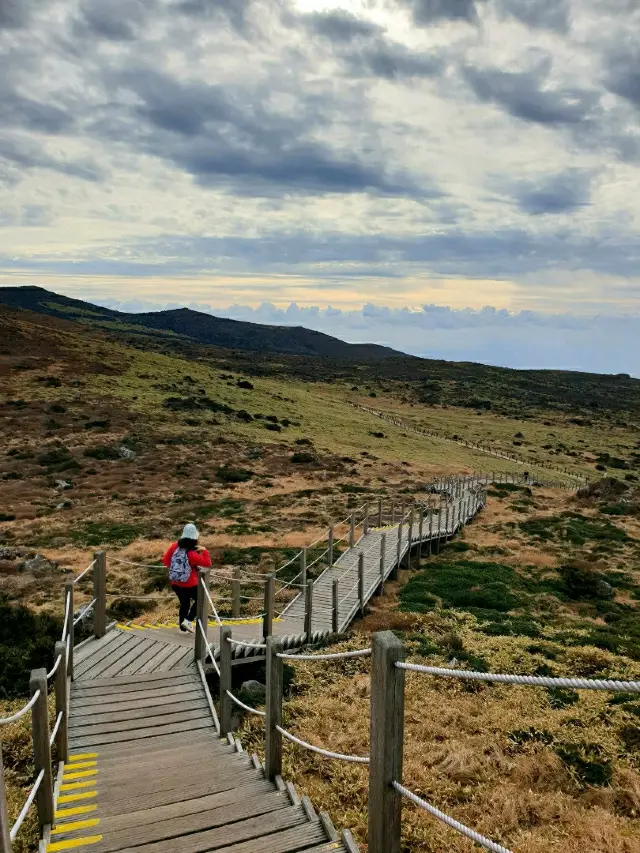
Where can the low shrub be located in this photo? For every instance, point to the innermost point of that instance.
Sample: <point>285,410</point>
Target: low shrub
<point>102,451</point>
<point>233,475</point>
<point>302,457</point>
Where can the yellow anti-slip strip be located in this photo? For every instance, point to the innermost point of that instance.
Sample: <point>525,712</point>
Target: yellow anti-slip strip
<point>76,810</point>
<point>73,786</point>
<point>81,774</point>
<point>80,765</point>
<point>73,798</point>
<point>82,756</point>
<point>71,844</point>
<point>73,827</point>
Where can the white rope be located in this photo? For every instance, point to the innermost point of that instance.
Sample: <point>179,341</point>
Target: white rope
<point>248,645</point>
<point>66,616</point>
<point>16,826</point>
<point>211,604</point>
<point>245,618</point>
<point>55,728</point>
<point>55,668</point>
<point>85,612</point>
<point>530,680</point>
<point>22,711</point>
<point>356,759</point>
<point>209,648</point>
<point>243,706</point>
<point>317,559</point>
<point>293,559</point>
<point>336,656</point>
<point>137,565</point>
<point>136,597</point>
<point>82,574</point>
<point>454,824</point>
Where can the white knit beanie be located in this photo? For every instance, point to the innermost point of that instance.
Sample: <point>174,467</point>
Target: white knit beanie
<point>190,532</point>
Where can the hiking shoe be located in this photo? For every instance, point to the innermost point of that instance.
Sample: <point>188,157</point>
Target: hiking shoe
<point>187,626</point>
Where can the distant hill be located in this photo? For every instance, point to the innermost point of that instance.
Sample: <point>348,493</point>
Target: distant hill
<point>197,326</point>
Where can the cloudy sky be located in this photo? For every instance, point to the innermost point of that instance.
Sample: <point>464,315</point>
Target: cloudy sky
<point>381,170</point>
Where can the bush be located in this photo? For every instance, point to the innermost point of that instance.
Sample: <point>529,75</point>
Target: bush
<point>272,418</point>
<point>243,383</point>
<point>95,533</point>
<point>233,475</point>
<point>102,451</point>
<point>302,457</point>
<point>273,427</point>
<point>27,642</point>
<point>245,416</point>
<point>128,608</point>
<point>101,424</point>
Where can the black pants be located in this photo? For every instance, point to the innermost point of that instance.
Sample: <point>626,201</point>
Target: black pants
<point>187,597</point>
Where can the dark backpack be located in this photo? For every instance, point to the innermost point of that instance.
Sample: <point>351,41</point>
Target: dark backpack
<point>179,570</point>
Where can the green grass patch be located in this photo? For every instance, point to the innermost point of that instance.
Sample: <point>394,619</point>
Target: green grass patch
<point>574,528</point>
<point>95,533</point>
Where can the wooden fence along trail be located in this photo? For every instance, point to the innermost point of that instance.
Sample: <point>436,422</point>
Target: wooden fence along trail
<point>145,763</point>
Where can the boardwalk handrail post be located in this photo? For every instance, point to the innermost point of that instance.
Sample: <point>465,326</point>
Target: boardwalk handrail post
<point>235,593</point>
<point>62,737</point>
<point>361,582</point>
<point>269,595</point>
<point>352,530</point>
<point>5,827</point>
<point>100,594</point>
<point>41,746</point>
<point>387,734</point>
<point>393,513</point>
<point>383,548</point>
<point>202,616</point>
<point>226,652</point>
<point>379,512</point>
<point>330,548</point>
<point>335,619</point>
<point>308,610</point>
<point>446,522</point>
<point>430,531</point>
<point>68,597</point>
<point>394,572</point>
<point>303,566</point>
<point>273,709</point>
<point>410,536</point>
<point>365,524</point>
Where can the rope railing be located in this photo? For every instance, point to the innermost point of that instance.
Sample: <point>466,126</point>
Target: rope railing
<point>337,756</point>
<point>54,669</point>
<point>335,656</point>
<point>449,821</point>
<point>528,680</point>
<point>86,571</point>
<point>247,645</point>
<point>243,706</point>
<point>25,809</point>
<point>67,610</point>
<point>15,717</point>
<point>84,613</point>
<point>209,599</point>
<point>210,652</point>
<point>56,727</point>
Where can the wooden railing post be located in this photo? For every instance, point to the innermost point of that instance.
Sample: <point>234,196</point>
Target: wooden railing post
<point>269,598</point>
<point>439,537</point>
<point>387,735</point>
<point>41,746</point>
<point>410,536</point>
<point>446,522</point>
<point>62,737</point>
<point>100,594</point>
<point>303,567</point>
<point>226,682</point>
<point>273,710</point>
<point>379,512</point>
<point>365,525</point>
<point>394,572</point>
<point>202,616</point>
<point>393,513</point>
<point>235,593</point>
<point>335,616</point>
<point>68,597</point>
<point>429,545</point>
<point>5,826</point>
<point>361,582</point>
<point>383,548</point>
<point>330,548</point>
<point>352,530</point>
<point>308,610</point>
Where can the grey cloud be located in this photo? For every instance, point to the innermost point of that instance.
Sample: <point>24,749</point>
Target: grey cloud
<point>339,26</point>
<point>29,114</point>
<point>427,12</point>
<point>623,75</point>
<point>555,193</point>
<point>394,61</point>
<point>115,20</point>
<point>21,152</point>
<point>236,12</point>
<point>538,14</point>
<point>523,95</point>
<point>14,13</point>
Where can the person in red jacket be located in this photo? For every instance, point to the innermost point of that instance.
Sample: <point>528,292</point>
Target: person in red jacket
<point>183,559</point>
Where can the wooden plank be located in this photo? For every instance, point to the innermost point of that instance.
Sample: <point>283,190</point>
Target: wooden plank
<point>181,794</point>
<point>112,686</point>
<point>137,734</point>
<point>137,713</point>
<point>116,651</point>
<point>220,837</point>
<point>284,841</point>
<point>166,663</point>
<point>106,706</point>
<point>117,665</point>
<point>165,650</point>
<point>205,737</point>
<point>102,651</point>
<point>184,716</point>
<point>82,652</point>
<point>186,661</point>
<point>133,695</point>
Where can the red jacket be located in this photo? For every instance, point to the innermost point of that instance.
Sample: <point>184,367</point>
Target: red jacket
<point>197,559</point>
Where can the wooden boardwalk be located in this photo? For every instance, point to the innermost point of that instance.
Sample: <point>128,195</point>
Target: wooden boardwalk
<point>148,772</point>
